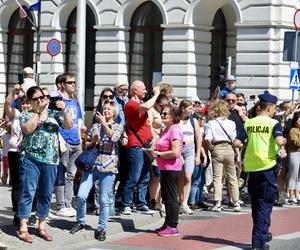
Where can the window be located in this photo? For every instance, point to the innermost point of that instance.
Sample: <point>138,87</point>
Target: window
<point>145,47</point>
<point>289,46</point>
<point>218,48</point>
<point>19,47</point>
<point>90,53</point>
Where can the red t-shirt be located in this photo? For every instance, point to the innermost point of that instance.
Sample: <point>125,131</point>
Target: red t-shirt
<point>138,122</point>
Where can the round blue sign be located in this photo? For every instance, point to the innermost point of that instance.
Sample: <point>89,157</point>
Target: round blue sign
<point>53,47</point>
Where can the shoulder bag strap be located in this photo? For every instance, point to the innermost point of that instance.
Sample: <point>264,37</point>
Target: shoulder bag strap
<point>224,130</point>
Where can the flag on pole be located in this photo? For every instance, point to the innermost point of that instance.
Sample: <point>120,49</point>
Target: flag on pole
<point>22,12</point>
<point>36,6</point>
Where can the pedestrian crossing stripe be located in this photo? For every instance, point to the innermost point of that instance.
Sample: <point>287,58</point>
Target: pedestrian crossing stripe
<point>294,79</point>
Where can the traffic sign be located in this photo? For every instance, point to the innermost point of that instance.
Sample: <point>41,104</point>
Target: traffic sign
<point>297,19</point>
<point>294,79</point>
<point>53,47</point>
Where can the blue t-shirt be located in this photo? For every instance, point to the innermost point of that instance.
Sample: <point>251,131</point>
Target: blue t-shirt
<point>72,136</point>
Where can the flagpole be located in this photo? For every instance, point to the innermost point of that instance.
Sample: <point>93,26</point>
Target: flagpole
<point>38,48</point>
<point>81,41</point>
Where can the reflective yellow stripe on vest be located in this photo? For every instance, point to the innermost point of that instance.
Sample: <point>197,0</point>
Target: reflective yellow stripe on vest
<point>261,148</point>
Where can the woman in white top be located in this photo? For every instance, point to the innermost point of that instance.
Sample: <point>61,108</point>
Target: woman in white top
<point>220,133</point>
<point>192,143</point>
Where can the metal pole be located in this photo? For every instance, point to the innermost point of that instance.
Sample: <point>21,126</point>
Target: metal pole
<point>295,59</point>
<point>38,49</point>
<point>81,39</point>
<point>229,59</point>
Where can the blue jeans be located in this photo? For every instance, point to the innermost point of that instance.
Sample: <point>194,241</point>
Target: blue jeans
<point>138,175</point>
<point>106,181</point>
<point>198,181</point>
<point>35,175</point>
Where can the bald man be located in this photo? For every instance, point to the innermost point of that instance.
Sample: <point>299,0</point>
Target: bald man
<point>139,133</point>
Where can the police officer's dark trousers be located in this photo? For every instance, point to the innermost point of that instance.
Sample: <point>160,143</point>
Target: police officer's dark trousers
<point>262,187</point>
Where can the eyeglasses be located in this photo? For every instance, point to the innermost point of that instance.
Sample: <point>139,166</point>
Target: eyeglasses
<point>70,82</point>
<point>163,114</point>
<point>42,97</point>
<point>231,100</point>
<point>123,90</point>
<point>108,97</point>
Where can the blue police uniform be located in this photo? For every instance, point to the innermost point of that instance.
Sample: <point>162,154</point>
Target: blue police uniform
<point>260,162</point>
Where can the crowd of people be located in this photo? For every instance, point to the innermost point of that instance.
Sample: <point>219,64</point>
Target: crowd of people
<point>154,154</point>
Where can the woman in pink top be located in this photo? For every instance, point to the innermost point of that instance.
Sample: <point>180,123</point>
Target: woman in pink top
<point>168,157</point>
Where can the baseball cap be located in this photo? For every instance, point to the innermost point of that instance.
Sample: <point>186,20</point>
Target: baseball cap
<point>230,78</point>
<point>28,70</point>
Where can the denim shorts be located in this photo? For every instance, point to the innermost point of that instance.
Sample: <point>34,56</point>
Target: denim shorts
<point>156,170</point>
<point>188,153</point>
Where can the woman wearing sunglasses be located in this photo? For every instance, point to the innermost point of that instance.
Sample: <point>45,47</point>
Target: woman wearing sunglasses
<point>168,156</point>
<point>106,94</point>
<point>39,160</point>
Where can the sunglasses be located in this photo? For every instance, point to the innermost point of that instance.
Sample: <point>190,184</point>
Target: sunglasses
<point>47,96</point>
<point>42,97</point>
<point>123,90</point>
<point>231,100</point>
<point>163,114</point>
<point>108,96</point>
<point>71,82</point>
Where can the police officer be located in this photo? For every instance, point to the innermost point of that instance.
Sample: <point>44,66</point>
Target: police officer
<point>264,142</point>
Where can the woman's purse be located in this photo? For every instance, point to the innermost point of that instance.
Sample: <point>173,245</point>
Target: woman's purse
<point>86,160</point>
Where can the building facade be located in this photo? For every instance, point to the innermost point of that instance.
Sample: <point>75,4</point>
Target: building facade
<point>178,41</point>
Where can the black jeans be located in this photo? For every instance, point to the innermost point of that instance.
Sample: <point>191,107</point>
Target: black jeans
<point>13,161</point>
<point>169,194</point>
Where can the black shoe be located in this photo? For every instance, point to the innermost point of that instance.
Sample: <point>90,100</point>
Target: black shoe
<point>16,220</point>
<point>76,228</point>
<point>100,235</point>
<point>265,247</point>
<point>31,221</point>
<point>202,205</point>
<point>269,237</point>
<point>277,204</point>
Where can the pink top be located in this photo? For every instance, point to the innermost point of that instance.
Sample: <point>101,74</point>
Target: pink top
<point>164,144</point>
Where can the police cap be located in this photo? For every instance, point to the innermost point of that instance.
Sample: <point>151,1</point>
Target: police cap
<point>266,97</point>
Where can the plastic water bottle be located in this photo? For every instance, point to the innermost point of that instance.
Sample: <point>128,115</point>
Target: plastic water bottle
<point>112,210</point>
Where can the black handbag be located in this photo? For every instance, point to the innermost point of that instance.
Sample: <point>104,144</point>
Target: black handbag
<point>146,144</point>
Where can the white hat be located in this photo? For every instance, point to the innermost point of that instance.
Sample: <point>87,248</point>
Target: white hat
<point>28,70</point>
<point>119,84</point>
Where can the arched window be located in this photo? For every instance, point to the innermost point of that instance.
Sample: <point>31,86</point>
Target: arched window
<point>19,47</point>
<point>89,56</point>
<point>145,49</point>
<point>218,48</point>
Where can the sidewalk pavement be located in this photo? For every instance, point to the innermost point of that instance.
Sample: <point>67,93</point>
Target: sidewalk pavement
<point>60,226</point>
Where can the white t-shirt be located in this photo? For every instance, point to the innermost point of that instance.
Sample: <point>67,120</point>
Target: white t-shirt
<point>16,133</point>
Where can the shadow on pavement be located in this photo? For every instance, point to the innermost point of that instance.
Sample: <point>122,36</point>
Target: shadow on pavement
<point>216,241</point>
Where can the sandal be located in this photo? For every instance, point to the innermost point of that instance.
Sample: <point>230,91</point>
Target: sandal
<point>24,235</point>
<point>44,235</point>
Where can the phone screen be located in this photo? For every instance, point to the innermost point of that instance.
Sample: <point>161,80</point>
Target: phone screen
<point>52,102</point>
<point>20,78</point>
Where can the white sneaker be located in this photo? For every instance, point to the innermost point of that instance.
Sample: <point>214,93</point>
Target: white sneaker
<point>186,209</point>
<point>52,216</point>
<point>237,207</point>
<point>126,211</point>
<point>66,212</point>
<point>72,211</point>
<point>217,208</point>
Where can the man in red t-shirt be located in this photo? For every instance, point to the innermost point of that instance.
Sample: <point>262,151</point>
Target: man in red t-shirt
<point>138,163</point>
